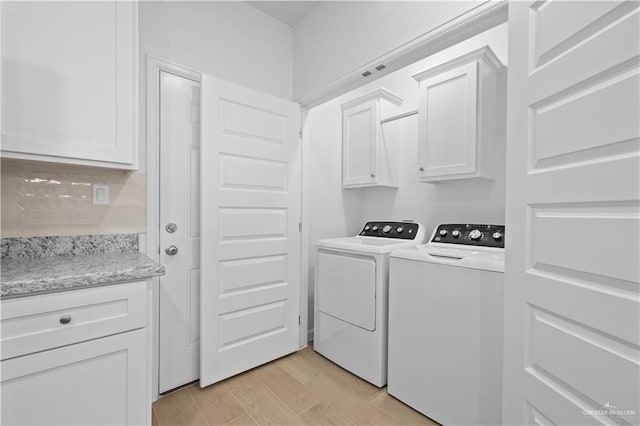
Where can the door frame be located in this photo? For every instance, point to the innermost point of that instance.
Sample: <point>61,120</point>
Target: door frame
<point>152,156</point>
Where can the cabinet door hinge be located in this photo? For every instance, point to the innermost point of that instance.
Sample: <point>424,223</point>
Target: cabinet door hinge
<point>299,320</point>
<point>300,133</point>
<point>299,226</point>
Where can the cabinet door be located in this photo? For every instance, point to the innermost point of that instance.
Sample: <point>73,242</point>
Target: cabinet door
<point>448,111</point>
<point>360,144</point>
<point>68,82</point>
<point>101,381</point>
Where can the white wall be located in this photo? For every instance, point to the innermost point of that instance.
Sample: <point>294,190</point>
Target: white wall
<point>336,38</point>
<point>227,39</point>
<point>334,212</point>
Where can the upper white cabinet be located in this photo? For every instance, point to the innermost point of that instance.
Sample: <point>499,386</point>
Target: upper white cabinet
<point>368,159</point>
<point>457,115</point>
<point>69,91</point>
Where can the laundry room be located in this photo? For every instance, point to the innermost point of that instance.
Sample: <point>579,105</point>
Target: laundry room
<point>320,212</point>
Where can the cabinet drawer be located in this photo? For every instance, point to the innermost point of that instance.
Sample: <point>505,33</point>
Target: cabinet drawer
<point>37,323</point>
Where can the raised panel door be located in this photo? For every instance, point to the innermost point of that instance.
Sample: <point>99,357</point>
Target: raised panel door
<point>250,235</point>
<point>572,304</point>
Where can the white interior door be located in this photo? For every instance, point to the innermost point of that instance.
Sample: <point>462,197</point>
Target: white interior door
<point>179,205</point>
<point>250,258</point>
<point>573,182</point>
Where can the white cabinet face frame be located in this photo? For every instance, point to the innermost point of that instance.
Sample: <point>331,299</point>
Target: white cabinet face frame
<point>360,137</point>
<point>69,82</point>
<point>457,127</point>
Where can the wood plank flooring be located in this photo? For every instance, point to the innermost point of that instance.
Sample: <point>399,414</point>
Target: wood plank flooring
<point>303,388</point>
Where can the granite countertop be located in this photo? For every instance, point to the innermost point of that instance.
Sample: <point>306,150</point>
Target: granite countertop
<point>29,276</point>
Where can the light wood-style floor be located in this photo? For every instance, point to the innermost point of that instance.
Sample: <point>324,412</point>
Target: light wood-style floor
<point>303,388</point>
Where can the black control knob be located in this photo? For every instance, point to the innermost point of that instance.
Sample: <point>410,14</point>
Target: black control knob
<point>455,233</point>
<point>367,227</point>
<point>443,232</point>
<point>400,230</point>
<point>375,228</point>
<point>476,235</point>
<point>497,236</point>
<point>386,229</point>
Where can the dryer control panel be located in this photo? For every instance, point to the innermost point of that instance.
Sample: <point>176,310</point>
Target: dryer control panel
<point>400,230</point>
<point>470,235</point>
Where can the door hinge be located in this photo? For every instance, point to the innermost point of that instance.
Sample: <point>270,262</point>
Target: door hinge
<point>299,319</point>
<point>299,226</point>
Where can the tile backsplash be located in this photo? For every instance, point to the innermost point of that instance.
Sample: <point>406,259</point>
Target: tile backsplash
<point>44,199</point>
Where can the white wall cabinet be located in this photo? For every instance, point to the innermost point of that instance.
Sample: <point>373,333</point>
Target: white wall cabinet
<point>368,159</point>
<point>90,370</point>
<point>69,82</point>
<point>457,117</point>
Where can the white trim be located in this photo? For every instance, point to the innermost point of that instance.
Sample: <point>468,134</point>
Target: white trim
<point>481,18</point>
<point>380,93</point>
<point>304,238</point>
<point>152,137</point>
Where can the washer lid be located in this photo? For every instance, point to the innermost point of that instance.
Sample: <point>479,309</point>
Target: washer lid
<point>373,245</point>
<point>472,258</point>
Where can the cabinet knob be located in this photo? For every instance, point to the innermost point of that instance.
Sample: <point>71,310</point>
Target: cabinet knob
<point>372,175</point>
<point>65,319</point>
<point>422,169</point>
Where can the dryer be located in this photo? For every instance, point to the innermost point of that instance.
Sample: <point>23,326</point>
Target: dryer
<point>351,290</point>
<point>445,325</point>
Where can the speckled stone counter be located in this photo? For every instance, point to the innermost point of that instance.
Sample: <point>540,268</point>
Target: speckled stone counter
<point>30,276</point>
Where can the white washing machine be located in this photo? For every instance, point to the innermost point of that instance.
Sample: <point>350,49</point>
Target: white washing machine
<point>445,325</point>
<point>351,290</point>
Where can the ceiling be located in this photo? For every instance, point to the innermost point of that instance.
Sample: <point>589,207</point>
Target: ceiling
<point>288,12</point>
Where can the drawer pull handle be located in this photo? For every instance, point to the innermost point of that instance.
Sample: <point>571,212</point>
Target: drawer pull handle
<point>65,319</point>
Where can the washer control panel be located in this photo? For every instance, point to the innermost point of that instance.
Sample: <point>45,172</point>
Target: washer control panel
<point>470,234</point>
<point>400,230</point>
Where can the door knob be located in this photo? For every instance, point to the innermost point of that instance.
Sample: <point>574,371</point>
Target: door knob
<point>171,251</point>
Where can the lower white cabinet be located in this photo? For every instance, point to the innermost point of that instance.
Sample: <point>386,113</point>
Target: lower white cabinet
<point>99,382</point>
<point>77,357</point>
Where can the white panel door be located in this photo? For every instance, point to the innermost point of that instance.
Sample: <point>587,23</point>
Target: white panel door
<point>180,207</point>
<point>572,305</point>
<point>250,260</point>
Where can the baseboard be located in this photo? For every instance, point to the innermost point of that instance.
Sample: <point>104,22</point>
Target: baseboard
<point>310,335</point>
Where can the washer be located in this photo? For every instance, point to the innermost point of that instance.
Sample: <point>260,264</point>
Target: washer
<point>445,325</point>
<point>351,290</point>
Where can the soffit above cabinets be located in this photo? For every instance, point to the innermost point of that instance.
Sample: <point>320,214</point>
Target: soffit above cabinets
<point>287,12</point>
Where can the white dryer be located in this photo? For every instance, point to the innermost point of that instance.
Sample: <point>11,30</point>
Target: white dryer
<point>445,325</point>
<point>351,290</point>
